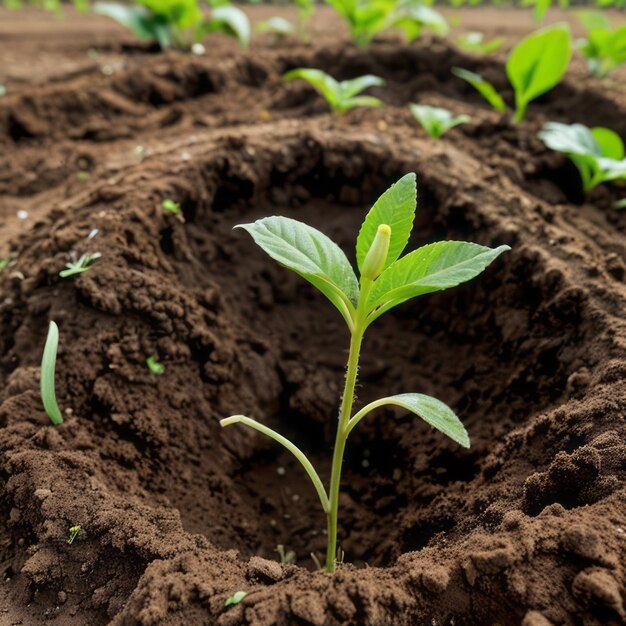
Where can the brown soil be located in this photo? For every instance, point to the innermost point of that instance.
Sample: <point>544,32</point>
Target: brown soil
<point>528,527</point>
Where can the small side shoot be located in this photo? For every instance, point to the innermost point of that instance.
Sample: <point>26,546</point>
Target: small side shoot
<point>48,366</point>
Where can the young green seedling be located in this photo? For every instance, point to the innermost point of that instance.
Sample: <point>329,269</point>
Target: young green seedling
<point>604,47</point>
<point>236,598</point>
<point>171,207</point>
<point>340,96</point>
<point>535,65</point>
<point>154,366</point>
<point>278,29</point>
<point>386,280</point>
<point>436,121</point>
<point>4,263</point>
<point>598,153</point>
<point>48,365</point>
<point>177,23</point>
<point>367,18</point>
<point>80,266</point>
<point>74,530</point>
<point>286,556</point>
<point>474,42</point>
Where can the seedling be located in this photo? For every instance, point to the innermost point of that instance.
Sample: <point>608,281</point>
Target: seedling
<point>154,366</point>
<point>436,121</point>
<point>306,9</point>
<point>236,598</point>
<point>386,280</point>
<point>340,96</point>
<point>598,153</point>
<point>171,206</point>
<point>604,47</point>
<point>535,65</point>
<point>3,91</point>
<point>620,204</point>
<point>367,18</point>
<point>286,556</point>
<point>4,263</point>
<point>82,176</point>
<point>177,23</point>
<point>48,365</point>
<point>474,42</point>
<point>278,29</point>
<point>74,530</point>
<point>80,266</point>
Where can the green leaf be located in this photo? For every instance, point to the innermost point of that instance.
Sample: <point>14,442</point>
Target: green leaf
<point>236,598</point>
<point>395,207</point>
<point>430,268</point>
<point>355,86</point>
<point>484,88</point>
<point>537,64</point>
<point>610,143</point>
<point>154,366</point>
<point>143,24</point>
<point>436,121</point>
<point>435,412</point>
<point>340,96</point>
<point>48,366</point>
<point>312,255</point>
<point>593,151</point>
<point>593,20</point>
<point>473,41</point>
<point>229,20</point>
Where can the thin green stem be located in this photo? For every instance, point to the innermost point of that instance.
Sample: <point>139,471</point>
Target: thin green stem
<point>306,464</point>
<point>345,412</point>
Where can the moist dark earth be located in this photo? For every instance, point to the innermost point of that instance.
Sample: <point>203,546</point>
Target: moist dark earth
<point>527,527</point>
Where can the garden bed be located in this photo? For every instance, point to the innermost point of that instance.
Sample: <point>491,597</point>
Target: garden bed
<point>176,514</point>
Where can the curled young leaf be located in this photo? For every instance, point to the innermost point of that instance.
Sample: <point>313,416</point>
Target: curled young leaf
<point>396,208</point>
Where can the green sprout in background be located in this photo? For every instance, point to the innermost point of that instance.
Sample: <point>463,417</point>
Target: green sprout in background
<point>534,66</point>
<point>80,266</point>
<point>278,29</point>
<point>366,19</point>
<point>48,366</point>
<point>236,598</point>
<point>340,96</point>
<point>474,42</point>
<point>386,280</point>
<point>598,153</point>
<point>154,366</point>
<point>171,207</point>
<point>4,263</point>
<point>74,530</point>
<point>604,47</point>
<point>177,23</point>
<point>436,121</point>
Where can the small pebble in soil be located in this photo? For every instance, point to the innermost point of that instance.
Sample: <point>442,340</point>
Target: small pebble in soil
<point>365,463</point>
<point>295,497</point>
<point>92,233</point>
<point>281,471</point>
<point>22,215</point>
<point>198,49</point>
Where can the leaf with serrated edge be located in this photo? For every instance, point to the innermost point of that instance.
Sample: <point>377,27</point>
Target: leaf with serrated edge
<point>430,268</point>
<point>309,253</point>
<point>396,208</point>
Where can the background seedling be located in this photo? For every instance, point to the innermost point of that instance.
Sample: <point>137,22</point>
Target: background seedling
<point>171,207</point>
<point>48,365</point>
<point>80,266</point>
<point>278,29</point>
<point>286,556</point>
<point>598,153</point>
<point>474,42</point>
<point>340,96</point>
<point>366,19</point>
<point>4,263</point>
<point>436,121</point>
<point>177,23</point>
<point>154,366</point>
<point>236,598</point>
<point>603,47</point>
<point>535,65</point>
<point>74,530</point>
<point>386,281</point>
